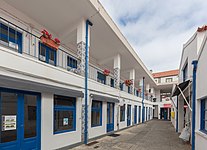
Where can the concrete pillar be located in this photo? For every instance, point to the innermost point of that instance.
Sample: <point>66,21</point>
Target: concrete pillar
<point>81,45</point>
<point>180,114</point>
<point>132,77</point>
<point>117,67</point>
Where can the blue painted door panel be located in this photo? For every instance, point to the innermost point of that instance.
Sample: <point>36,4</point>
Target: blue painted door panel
<point>110,117</point>
<point>128,115</point>
<point>135,114</point>
<point>27,121</point>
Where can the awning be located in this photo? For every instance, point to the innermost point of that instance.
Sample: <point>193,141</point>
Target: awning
<point>167,105</point>
<point>104,98</point>
<point>182,86</point>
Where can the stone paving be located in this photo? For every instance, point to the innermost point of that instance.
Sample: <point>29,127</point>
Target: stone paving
<point>153,135</point>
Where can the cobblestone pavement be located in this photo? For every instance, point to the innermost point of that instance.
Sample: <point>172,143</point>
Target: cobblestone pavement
<point>153,135</point>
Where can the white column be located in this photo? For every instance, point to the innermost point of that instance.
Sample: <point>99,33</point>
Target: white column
<point>117,67</point>
<point>132,77</point>
<point>81,45</point>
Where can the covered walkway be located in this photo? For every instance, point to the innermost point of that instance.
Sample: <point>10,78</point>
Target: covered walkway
<point>153,135</point>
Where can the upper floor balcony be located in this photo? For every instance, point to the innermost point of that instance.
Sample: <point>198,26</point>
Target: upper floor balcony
<point>21,32</point>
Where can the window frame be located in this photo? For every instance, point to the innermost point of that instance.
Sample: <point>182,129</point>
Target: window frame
<point>72,62</point>
<point>202,117</point>
<point>17,34</point>
<point>185,72</point>
<point>65,108</point>
<point>169,80</point>
<point>100,80</point>
<point>124,112</point>
<point>47,54</point>
<point>96,109</point>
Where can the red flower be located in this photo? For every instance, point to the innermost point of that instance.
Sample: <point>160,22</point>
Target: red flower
<point>106,72</point>
<point>45,32</point>
<point>57,40</point>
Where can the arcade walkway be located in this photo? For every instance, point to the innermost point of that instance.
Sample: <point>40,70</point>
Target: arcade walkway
<point>153,135</point>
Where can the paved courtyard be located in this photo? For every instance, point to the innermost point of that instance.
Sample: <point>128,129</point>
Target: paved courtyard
<point>153,135</point>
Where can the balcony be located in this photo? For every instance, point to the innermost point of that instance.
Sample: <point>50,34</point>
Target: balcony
<point>28,44</point>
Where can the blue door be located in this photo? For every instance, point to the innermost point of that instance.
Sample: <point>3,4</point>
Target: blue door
<point>128,115</point>
<point>135,114</point>
<point>110,117</point>
<point>20,123</point>
<point>143,114</point>
<point>139,114</point>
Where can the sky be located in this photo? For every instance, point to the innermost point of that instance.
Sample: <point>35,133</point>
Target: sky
<point>157,29</point>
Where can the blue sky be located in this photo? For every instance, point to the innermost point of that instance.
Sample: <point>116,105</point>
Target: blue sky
<point>157,29</point>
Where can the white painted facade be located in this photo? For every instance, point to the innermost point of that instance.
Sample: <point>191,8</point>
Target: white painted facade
<point>194,49</point>
<point>24,71</point>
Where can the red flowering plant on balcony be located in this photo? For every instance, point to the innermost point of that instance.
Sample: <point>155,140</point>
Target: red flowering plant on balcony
<point>128,82</point>
<point>46,39</point>
<point>106,72</point>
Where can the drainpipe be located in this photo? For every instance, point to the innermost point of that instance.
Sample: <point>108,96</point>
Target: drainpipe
<point>194,63</point>
<point>177,116</point>
<point>86,84</point>
<point>143,100</point>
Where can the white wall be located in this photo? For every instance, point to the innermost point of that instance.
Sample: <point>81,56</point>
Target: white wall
<point>49,140</point>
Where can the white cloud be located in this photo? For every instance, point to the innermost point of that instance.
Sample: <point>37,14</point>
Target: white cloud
<point>158,29</point>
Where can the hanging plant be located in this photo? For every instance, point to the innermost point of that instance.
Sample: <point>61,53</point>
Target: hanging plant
<point>106,72</point>
<point>46,39</point>
<point>128,82</point>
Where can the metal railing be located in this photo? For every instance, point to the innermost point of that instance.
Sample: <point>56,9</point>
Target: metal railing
<point>26,43</point>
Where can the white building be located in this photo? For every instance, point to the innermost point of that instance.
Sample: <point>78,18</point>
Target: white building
<point>43,91</point>
<point>194,51</point>
<point>165,81</point>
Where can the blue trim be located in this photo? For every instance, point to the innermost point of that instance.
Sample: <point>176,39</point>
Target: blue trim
<point>72,62</point>
<point>135,114</point>
<point>86,85</point>
<point>139,114</point>
<point>97,109</point>
<point>177,116</point>
<point>110,126</point>
<point>194,63</point>
<point>129,109</point>
<point>143,113</point>
<point>65,108</point>
<point>47,51</point>
<point>122,112</point>
<point>21,141</point>
<point>203,113</point>
<point>7,38</point>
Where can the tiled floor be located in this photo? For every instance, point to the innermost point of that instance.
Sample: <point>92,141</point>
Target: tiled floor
<point>153,135</point>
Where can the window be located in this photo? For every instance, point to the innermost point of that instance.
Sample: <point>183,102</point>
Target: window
<point>64,114</point>
<point>10,37</point>
<point>137,93</point>
<point>72,63</point>
<point>204,115</point>
<point>122,113</point>
<point>121,86</point>
<point>96,113</point>
<point>185,72</point>
<point>112,82</point>
<point>159,80</point>
<point>168,80</point>
<point>101,78</point>
<point>47,54</point>
<point>129,89</point>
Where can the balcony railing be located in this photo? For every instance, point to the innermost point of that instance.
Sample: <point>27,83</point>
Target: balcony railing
<point>29,44</point>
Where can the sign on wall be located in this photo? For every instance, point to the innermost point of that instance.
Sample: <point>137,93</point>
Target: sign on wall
<point>8,122</point>
<point>65,121</point>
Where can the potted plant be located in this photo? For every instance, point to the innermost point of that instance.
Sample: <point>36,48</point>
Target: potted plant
<point>128,82</point>
<point>46,39</point>
<point>106,72</point>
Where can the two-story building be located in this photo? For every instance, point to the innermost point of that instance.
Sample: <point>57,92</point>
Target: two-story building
<point>190,93</point>
<point>67,75</point>
<point>165,81</point>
